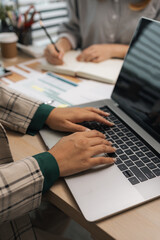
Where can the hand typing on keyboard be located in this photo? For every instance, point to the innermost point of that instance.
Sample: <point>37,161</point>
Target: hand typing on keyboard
<point>69,119</point>
<point>75,152</point>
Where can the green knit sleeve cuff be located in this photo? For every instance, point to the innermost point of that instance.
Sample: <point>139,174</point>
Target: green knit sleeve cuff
<point>39,118</point>
<point>49,169</point>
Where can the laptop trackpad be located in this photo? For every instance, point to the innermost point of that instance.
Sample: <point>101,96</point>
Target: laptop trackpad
<point>102,192</point>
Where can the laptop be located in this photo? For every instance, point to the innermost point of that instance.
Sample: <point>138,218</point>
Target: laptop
<point>135,109</point>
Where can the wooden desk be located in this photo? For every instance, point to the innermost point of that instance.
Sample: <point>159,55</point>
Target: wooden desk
<point>141,223</point>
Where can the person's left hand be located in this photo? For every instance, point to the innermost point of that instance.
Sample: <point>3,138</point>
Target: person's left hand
<point>96,53</point>
<point>66,119</point>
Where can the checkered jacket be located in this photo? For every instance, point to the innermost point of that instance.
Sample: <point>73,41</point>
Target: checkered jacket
<point>21,182</point>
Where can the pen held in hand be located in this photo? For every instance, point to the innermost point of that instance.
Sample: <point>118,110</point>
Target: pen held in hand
<point>41,23</point>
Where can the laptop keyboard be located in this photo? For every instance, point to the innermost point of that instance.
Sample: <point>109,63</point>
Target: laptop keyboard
<point>136,161</point>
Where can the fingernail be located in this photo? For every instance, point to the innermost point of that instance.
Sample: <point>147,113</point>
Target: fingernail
<point>87,129</point>
<point>114,159</point>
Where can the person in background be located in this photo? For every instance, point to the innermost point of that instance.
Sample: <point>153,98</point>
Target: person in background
<point>103,29</point>
<point>23,182</point>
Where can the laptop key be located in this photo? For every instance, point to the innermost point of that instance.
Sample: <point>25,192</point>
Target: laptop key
<point>115,145</point>
<point>121,125</point>
<point>145,159</point>
<point>150,154</point>
<point>118,142</point>
<point>129,134</point>
<point>123,157</point>
<point>140,154</point>
<point>125,139</point>
<point>129,143</point>
<point>124,146</point>
<point>118,161</point>
<point>133,180</point>
<point>134,139</point>
<point>144,149</point>
<point>134,158</point>
<point>116,129</point>
<point>147,172</point>
<point>141,177</point>
<point>139,144</point>
<point>139,163</point>
<point>129,152</point>
<point>122,167</point>
<point>120,134</point>
<point>117,122</point>
<point>128,173</point>
<point>110,132</point>
<point>114,137</point>
<point>125,130</point>
<point>155,160</point>
<point>129,163</point>
<point>157,172</point>
<point>151,165</point>
<point>119,151</point>
<point>112,155</point>
<point>135,148</point>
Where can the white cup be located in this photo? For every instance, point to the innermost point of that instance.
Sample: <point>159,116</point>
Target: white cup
<point>8,43</point>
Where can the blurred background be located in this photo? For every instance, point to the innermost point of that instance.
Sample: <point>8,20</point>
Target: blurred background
<point>52,12</point>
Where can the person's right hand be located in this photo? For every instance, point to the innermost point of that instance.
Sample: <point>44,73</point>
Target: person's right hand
<point>54,57</point>
<point>77,152</point>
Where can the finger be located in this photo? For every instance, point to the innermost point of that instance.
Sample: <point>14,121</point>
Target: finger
<point>103,148</point>
<point>53,60</point>
<point>95,161</point>
<point>80,58</point>
<point>99,141</point>
<point>96,60</point>
<point>84,54</point>
<point>73,127</point>
<point>96,117</point>
<point>97,110</point>
<point>94,133</point>
<point>56,56</point>
<point>103,120</point>
<point>90,57</point>
<point>52,50</point>
<point>61,55</point>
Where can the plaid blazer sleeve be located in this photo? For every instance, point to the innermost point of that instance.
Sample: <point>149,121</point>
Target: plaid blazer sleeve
<point>21,182</point>
<point>16,110</point>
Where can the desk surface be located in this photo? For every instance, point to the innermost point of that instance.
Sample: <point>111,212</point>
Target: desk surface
<point>141,223</point>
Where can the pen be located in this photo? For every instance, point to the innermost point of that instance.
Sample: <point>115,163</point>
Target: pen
<point>41,23</point>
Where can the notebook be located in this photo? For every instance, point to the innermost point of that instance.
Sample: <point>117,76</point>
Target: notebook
<point>106,71</point>
<point>135,109</point>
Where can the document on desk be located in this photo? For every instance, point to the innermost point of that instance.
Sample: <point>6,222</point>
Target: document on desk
<point>46,88</point>
<point>87,92</point>
<point>54,89</point>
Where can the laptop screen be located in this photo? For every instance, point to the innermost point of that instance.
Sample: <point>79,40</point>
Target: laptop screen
<point>137,90</point>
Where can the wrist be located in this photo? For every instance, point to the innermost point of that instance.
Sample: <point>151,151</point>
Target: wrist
<point>49,118</point>
<point>64,44</point>
<point>118,50</point>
